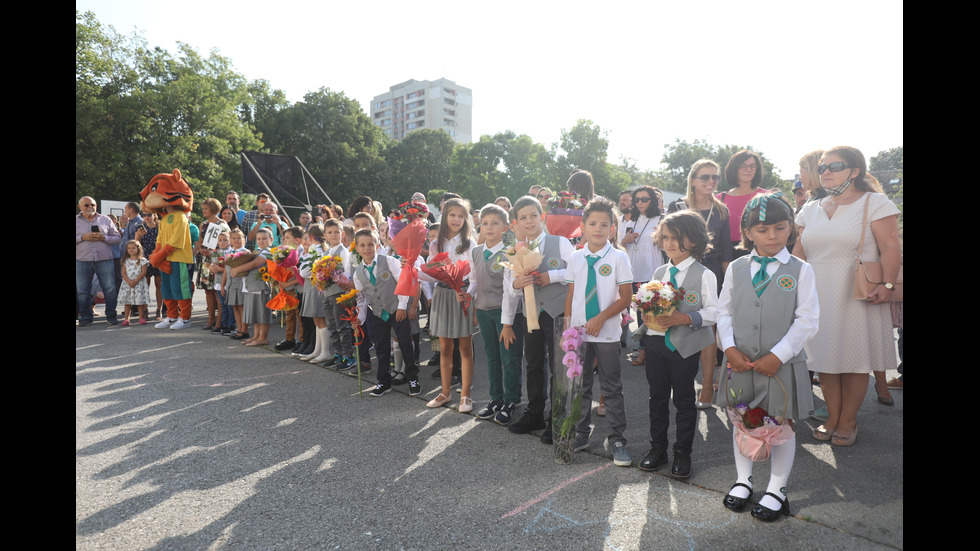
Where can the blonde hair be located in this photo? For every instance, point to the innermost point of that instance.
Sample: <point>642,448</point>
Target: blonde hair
<point>716,204</point>
<point>808,164</point>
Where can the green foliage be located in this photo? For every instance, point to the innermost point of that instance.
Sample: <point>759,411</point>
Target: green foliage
<point>681,156</point>
<point>584,146</point>
<point>890,159</point>
<point>419,162</point>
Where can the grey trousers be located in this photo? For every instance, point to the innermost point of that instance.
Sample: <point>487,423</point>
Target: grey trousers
<point>611,384</point>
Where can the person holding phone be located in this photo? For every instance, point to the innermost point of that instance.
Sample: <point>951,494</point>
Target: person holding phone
<point>94,236</point>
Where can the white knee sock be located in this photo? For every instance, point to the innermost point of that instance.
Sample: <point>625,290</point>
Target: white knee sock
<point>743,468</point>
<point>782,464</point>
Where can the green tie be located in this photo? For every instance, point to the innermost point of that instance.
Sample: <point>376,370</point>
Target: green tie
<point>673,281</point>
<point>370,270</point>
<point>486,255</point>
<point>591,295</point>
<point>761,278</point>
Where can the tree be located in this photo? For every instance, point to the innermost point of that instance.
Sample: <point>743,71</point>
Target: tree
<point>420,162</point>
<point>681,155</point>
<point>584,146</point>
<point>890,159</point>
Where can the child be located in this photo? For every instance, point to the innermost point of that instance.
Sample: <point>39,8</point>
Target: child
<point>447,319</point>
<point>362,220</point>
<point>488,274</point>
<point>232,287</point>
<point>227,312</point>
<point>376,278</point>
<point>257,292</point>
<point>767,309</point>
<point>672,357</point>
<point>338,331</point>
<point>604,290</point>
<point>292,237</point>
<point>549,289</point>
<point>134,291</point>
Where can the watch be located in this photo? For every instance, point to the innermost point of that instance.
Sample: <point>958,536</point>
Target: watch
<point>889,286</point>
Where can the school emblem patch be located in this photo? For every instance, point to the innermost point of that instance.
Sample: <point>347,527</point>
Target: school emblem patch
<point>386,275</point>
<point>605,269</point>
<point>554,263</point>
<point>786,282</point>
<point>691,297</point>
<point>496,267</point>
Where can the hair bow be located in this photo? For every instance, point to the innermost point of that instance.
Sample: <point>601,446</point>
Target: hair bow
<point>761,202</point>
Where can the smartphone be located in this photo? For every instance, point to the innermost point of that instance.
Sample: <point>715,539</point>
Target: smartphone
<point>95,228</point>
<point>629,229</point>
<point>144,228</point>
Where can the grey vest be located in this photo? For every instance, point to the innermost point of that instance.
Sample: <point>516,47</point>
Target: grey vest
<point>687,340</point>
<point>382,294</point>
<point>490,295</point>
<point>760,322</point>
<point>551,297</point>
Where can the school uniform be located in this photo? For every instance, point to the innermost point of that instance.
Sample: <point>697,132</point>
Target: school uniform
<point>672,357</point>
<point>312,306</point>
<point>377,282</point>
<point>779,321</point>
<point>257,294</point>
<point>487,275</point>
<point>607,269</point>
<point>555,250</point>
<point>234,294</point>
<point>341,337</point>
<point>447,319</point>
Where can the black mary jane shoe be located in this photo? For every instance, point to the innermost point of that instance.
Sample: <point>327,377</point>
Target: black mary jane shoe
<point>764,513</point>
<point>737,504</point>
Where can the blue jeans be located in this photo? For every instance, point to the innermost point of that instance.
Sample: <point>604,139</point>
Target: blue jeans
<point>104,270</point>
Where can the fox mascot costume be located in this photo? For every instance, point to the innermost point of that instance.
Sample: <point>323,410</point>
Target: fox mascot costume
<point>171,198</point>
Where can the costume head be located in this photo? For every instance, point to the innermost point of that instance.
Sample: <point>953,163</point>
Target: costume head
<point>167,190</point>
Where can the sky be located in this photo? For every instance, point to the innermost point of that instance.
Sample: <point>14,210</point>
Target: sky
<point>784,77</point>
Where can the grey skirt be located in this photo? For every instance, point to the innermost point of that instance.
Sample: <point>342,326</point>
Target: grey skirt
<point>255,309</point>
<point>312,305</point>
<point>758,390</point>
<point>446,319</point>
<point>234,295</point>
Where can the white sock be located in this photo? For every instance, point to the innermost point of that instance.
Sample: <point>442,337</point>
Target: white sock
<point>782,464</point>
<point>743,468</point>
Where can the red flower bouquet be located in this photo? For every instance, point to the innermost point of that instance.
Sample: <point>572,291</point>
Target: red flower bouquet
<point>407,242</point>
<point>451,274</point>
<point>564,214</point>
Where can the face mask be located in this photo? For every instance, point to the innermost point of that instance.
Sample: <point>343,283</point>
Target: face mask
<point>839,189</point>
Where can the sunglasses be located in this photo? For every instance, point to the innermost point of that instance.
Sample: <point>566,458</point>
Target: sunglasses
<point>89,205</point>
<point>833,167</point>
<point>545,197</point>
<point>643,199</point>
<point>709,177</point>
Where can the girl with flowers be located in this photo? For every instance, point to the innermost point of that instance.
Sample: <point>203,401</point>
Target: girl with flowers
<point>767,309</point>
<point>233,288</point>
<point>257,289</point>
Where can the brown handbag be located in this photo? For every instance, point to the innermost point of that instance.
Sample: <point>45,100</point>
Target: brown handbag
<point>867,275</point>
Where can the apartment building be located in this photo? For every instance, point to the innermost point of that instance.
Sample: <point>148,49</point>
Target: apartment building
<point>436,104</point>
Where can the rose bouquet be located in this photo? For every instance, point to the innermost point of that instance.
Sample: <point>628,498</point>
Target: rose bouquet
<point>235,260</point>
<point>407,241</point>
<point>564,214</point>
<point>524,259</point>
<point>452,274</point>
<point>657,298</point>
<point>756,431</point>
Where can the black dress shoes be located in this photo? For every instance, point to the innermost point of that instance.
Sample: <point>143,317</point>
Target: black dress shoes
<point>737,504</point>
<point>527,423</point>
<point>653,460</point>
<point>768,515</point>
<point>285,344</point>
<point>681,467</point>
<point>546,437</point>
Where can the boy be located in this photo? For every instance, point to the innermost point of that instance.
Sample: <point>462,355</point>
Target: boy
<point>341,338</point>
<point>549,289</point>
<point>600,287</point>
<point>376,279</point>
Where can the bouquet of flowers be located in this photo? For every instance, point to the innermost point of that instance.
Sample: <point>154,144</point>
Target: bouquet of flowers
<point>524,259</point>
<point>325,272</point>
<point>452,274</point>
<point>407,233</point>
<point>284,255</point>
<point>235,260</point>
<point>355,257</point>
<point>348,301</point>
<point>564,214</point>
<point>566,404</point>
<point>756,431</point>
<point>657,298</point>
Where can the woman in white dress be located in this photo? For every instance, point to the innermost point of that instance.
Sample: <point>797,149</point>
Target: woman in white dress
<point>637,238</point>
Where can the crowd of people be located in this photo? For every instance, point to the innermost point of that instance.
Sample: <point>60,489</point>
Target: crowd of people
<point>768,283</point>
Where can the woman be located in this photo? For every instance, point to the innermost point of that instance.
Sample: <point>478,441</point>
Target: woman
<point>855,337</point>
<point>148,238</point>
<point>809,176</point>
<point>702,181</point>
<point>210,207</point>
<point>360,204</point>
<point>229,217</point>
<point>543,195</point>
<point>743,173</point>
<point>637,238</point>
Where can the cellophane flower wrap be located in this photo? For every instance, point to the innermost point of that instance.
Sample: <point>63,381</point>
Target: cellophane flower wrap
<point>407,241</point>
<point>756,431</point>
<point>525,259</point>
<point>441,268</point>
<point>567,398</point>
<point>564,214</point>
<point>280,272</point>
<point>657,298</point>
<point>235,260</point>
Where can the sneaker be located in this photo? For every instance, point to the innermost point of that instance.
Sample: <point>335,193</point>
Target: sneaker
<point>414,388</point>
<point>181,324</point>
<point>112,321</point>
<point>821,414</point>
<point>527,423</point>
<point>347,364</point>
<point>490,410</point>
<point>337,359</point>
<point>503,416</point>
<point>437,374</point>
<point>218,330</point>
<point>581,442</point>
<point>231,331</point>
<point>620,457</point>
<point>365,367</point>
<point>379,390</point>
<point>165,324</point>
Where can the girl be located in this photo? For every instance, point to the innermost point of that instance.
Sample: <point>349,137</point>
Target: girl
<point>312,306</point>
<point>446,319</point>
<point>767,309</point>
<point>232,287</point>
<point>221,279</point>
<point>147,236</point>
<point>257,291</point>
<point>207,259</point>
<point>672,355</point>
<point>135,291</point>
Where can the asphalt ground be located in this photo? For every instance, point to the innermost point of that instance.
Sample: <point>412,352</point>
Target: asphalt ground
<point>188,440</point>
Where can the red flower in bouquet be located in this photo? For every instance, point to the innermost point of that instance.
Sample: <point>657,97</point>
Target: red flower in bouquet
<point>443,270</point>
<point>755,418</point>
<point>564,214</point>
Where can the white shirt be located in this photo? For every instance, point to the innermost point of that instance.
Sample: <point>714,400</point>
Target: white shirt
<point>450,247</point>
<point>645,256</point>
<point>708,314</point>
<point>612,270</point>
<point>807,315</point>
